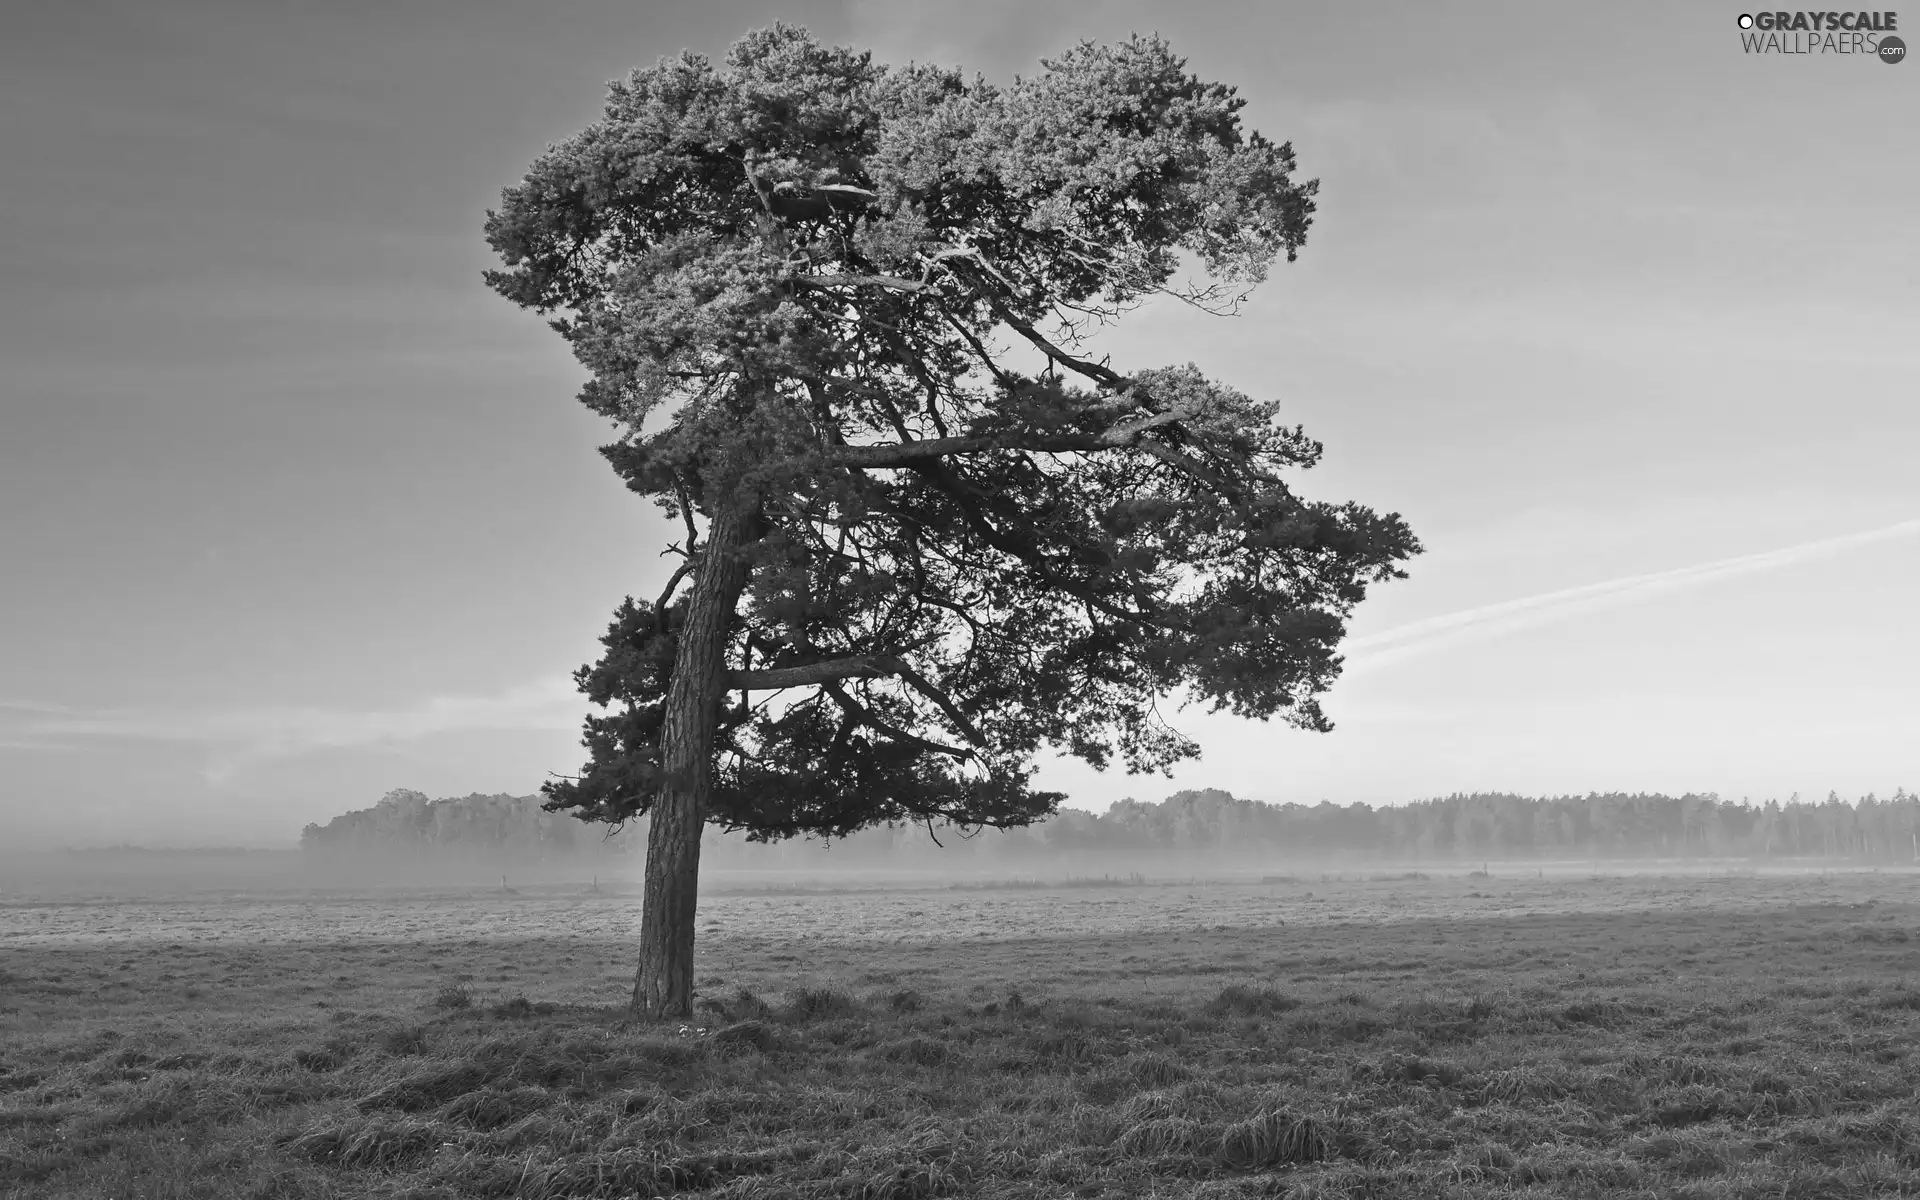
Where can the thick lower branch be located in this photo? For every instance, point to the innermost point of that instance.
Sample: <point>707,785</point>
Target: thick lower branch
<point>866,716</point>
<point>1025,549</point>
<point>919,683</point>
<point>1121,435</point>
<point>903,454</point>
<point>863,666</point>
<point>888,282</point>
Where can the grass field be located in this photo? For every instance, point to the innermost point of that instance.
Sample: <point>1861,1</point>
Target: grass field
<point>1406,1036</point>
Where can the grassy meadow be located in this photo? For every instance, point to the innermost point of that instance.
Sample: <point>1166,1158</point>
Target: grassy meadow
<point>1397,1036</point>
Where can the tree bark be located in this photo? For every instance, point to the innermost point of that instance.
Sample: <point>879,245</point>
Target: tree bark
<point>663,986</point>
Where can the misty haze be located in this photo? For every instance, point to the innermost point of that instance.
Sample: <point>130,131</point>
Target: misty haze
<point>883,602</point>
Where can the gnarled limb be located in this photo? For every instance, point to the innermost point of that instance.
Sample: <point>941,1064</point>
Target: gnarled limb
<point>861,666</point>
<point>866,716</point>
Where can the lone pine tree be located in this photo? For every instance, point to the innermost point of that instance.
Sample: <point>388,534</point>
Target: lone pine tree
<point>836,311</point>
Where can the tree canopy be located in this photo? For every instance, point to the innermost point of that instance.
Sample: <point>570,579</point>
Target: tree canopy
<point>850,300</point>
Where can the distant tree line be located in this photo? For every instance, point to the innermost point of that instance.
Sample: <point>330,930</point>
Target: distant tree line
<point>489,828</point>
<point>1190,826</point>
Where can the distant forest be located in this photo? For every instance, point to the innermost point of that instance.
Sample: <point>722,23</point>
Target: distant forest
<point>1190,827</point>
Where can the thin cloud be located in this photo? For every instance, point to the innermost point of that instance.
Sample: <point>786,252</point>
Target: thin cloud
<point>1531,612</point>
<point>31,706</point>
<point>239,737</point>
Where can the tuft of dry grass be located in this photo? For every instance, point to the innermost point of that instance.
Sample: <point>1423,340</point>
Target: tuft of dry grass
<point>744,1035</point>
<point>818,1004</point>
<point>1156,1137</point>
<point>380,1141</point>
<point>1239,999</point>
<point>1274,1137</point>
<point>493,1107</point>
<point>428,1087</point>
<point>918,1049</point>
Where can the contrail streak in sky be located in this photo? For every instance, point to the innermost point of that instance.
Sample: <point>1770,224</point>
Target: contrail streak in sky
<point>1529,612</point>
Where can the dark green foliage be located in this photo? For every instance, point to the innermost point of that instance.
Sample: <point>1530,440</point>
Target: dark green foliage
<point>813,268</point>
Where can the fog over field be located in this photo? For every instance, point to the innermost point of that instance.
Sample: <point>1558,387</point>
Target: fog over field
<point>510,844</point>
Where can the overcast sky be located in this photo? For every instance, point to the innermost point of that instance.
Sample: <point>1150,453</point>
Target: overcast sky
<point>293,510</point>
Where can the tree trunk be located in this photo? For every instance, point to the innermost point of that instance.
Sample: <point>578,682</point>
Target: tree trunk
<point>663,986</point>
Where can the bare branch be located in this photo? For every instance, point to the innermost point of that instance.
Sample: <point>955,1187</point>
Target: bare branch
<point>864,666</point>
<point>880,281</point>
<point>867,717</point>
<point>1023,547</point>
<point>759,188</point>
<point>1092,370</point>
<point>666,593</point>
<point>686,514</point>
<point>900,454</point>
<point>920,684</point>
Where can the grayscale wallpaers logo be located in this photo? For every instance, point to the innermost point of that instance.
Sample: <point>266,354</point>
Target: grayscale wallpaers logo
<point>1868,34</point>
